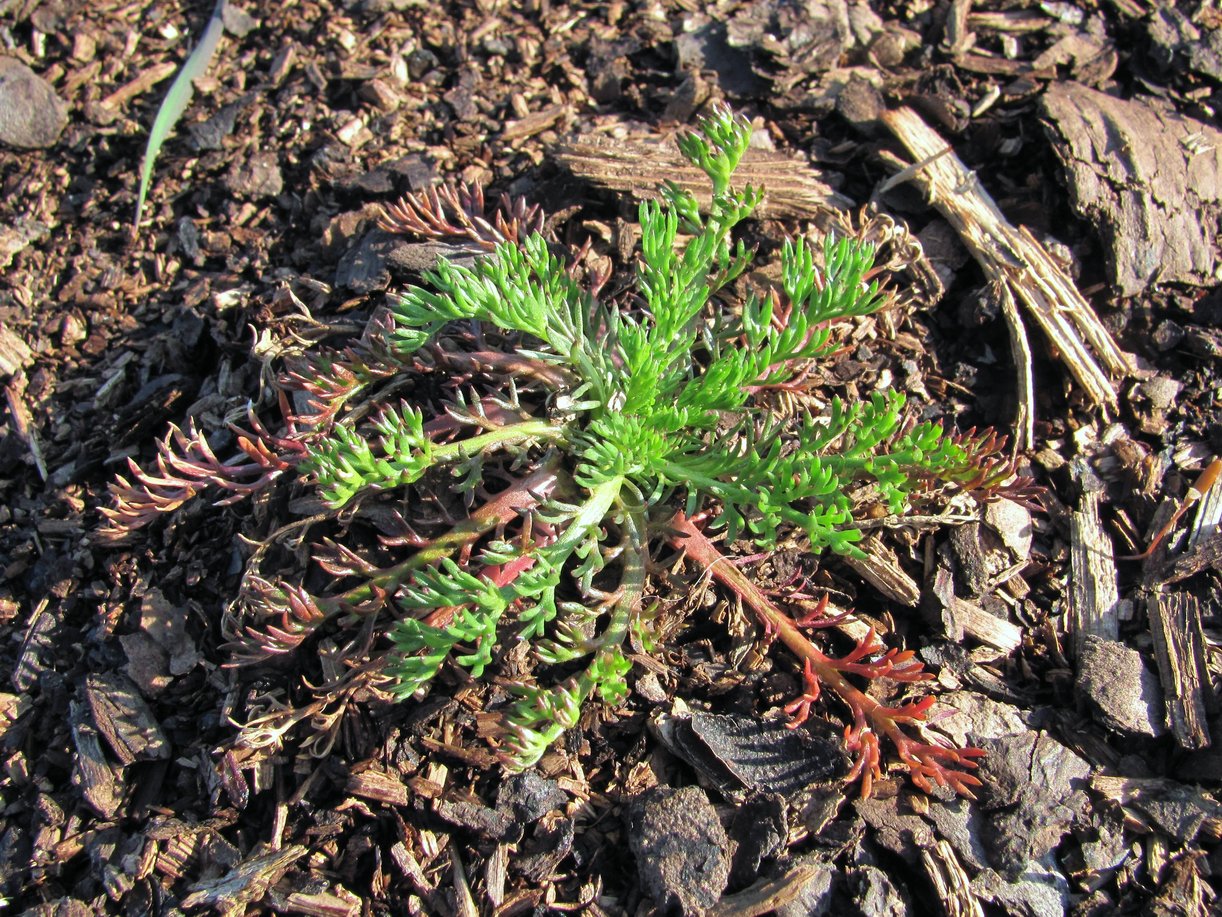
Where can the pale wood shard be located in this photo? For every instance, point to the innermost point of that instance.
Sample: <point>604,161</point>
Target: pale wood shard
<point>950,880</point>
<point>1148,178</point>
<point>1179,650</point>
<point>881,569</point>
<point>380,786</point>
<point>1012,256</point>
<point>323,904</point>
<point>963,618</point>
<point>1094,595</point>
<point>246,883</point>
<point>768,895</point>
<point>639,167</point>
<point>535,123</point>
<point>15,353</point>
<point>1024,363</point>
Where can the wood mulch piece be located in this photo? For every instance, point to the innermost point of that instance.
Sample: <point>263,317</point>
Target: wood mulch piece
<point>1057,165</point>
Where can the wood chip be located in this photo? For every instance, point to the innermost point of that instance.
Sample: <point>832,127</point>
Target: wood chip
<point>140,85</point>
<point>768,895</point>
<point>534,123</point>
<point>15,353</point>
<point>124,719</point>
<point>323,904</point>
<point>1093,591</point>
<point>379,785</point>
<point>964,618</point>
<point>638,167</point>
<point>1149,179</point>
<point>91,772</point>
<point>1020,352</point>
<point>246,883</point>
<point>1011,255</point>
<point>882,570</point>
<point>951,881</point>
<point>1179,650</point>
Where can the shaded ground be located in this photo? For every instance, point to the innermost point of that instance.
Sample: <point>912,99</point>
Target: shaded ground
<point>120,788</point>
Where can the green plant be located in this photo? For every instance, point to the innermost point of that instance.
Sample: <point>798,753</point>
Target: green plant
<point>572,437</point>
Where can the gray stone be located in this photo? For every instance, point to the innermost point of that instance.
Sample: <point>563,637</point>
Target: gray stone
<point>32,116</point>
<point>1123,692</point>
<point>682,852</point>
<point>1033,793</point>
<point>257,177</point>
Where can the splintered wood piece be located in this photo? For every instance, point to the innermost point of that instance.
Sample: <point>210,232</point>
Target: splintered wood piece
<point>1094,594</point>
<point>1179,650</point>
<point>639,167</point>
<point>882,570</point>
<point>1011,255</point>
<point>1148,178</point>
<point>1020,350</point>
<point>124,719</point>
<point>380,786</point>
<point>178,853</point>
<point>246,883</point>
<point>963,618</point>
<point>950,880</point>
<point>323,904</point>
<point>768,895</point>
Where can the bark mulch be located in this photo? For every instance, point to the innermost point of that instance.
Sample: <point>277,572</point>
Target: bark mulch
<point>1045,180</point>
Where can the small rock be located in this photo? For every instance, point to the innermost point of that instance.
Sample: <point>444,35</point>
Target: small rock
<point>1012,522</point>
<point>1040,891</point>
<point>257,177</point>
<point>1168,335</point>
<point>1161,391</point>
<point>759,831</point>
<point>32,116</point>
<point>529,797</point>
<point>682,852</point>
<point>18,237</point>
<point>237,21</point>
<point>1123,692</point>
<point>1033,793</point>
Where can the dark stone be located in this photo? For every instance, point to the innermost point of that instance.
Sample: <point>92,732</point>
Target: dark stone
<point>1033,793</point>
<point>742,755</point>
<point>479,819</point>
<point>759,832</point>
<point>818,892</point>
<point>529,797</point>
<point>874,894</point>
<point>211,133</point>
<point>681,848</point>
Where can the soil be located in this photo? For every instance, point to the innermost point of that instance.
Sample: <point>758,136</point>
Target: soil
<point>1088,676</point>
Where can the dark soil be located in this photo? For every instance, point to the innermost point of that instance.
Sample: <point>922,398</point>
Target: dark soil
<point>1092,690</point>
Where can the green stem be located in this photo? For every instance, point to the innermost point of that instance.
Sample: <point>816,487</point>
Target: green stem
<point>509,435</point>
